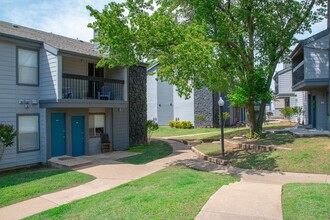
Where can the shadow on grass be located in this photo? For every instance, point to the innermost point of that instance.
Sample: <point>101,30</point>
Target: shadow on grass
<point>17,177</point>
<point>249,159</point>
<point>274,139</point>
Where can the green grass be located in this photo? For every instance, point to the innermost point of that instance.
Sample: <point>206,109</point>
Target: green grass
<point>308,155</point>
<point>173,193</point>
<point>26,184</point>
<point>154,151</point>
<point>233,132</point>
<point>306,201</point>
<point>166,131</point>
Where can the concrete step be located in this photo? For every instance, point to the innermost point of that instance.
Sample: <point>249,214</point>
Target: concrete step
<point>67,162</point>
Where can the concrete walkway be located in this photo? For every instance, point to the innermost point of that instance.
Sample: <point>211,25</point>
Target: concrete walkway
<point>256,196</point>
<point>190,135</point>
<point>108,173</point>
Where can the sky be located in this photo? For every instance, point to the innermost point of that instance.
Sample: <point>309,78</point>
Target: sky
<point>68,17</point>
<point>64,17</point>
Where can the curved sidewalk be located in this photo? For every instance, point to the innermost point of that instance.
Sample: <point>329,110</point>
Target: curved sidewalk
<point>107,175</point>
<point>257,196</point>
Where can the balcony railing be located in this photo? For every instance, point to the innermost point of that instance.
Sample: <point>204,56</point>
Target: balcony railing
<point>86,87</point>
<point>298,74</point>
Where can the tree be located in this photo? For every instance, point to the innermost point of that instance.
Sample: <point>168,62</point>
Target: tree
<point>150,126</point>
<point>7,137</point>
<point>287,112</point>
<point>226,46</point>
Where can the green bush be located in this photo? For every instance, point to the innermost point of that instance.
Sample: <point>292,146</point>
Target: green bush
<point>181,124</point>
<point>288,112</point>
<point>171,123</point>
<point>150,126</point>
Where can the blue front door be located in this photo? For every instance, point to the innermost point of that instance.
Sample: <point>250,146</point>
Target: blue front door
<point>58,134</point>
<point>78,135</point>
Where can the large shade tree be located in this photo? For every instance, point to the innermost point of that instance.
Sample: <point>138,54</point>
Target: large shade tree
<point>227,46</point>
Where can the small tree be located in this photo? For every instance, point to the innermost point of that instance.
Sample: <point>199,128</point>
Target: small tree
<point>150,126</point>
<point>7,136</point>
<point>298,111</point>
<point>287,112</point>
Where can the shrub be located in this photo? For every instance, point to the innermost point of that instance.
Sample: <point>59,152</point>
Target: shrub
<point>7,137</point>
<point>287,112</point>
<point>181,124</point>
<point>200,117</point>
<point>150,126</point>
<point>171,123</point>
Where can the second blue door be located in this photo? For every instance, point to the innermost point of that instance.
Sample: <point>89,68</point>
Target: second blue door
<point>78,135</point>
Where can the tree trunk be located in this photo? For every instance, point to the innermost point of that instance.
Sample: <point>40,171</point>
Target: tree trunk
<point>261,116</point>
<point>252,121</point>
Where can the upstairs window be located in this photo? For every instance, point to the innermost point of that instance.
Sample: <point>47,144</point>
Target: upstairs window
<point>28,71</point>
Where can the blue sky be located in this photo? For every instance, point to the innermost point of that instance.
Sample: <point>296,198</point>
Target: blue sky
<point>66,17</point>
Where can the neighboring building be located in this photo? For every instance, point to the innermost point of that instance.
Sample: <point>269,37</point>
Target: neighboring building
<point>164,104</point>
<point>310,64</point>
<point>59,102</point>
<point>285,97</point>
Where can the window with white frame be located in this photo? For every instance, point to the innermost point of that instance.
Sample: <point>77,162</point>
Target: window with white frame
<point>28,73</point>
<point>28,132</point>
<point>96,125</point>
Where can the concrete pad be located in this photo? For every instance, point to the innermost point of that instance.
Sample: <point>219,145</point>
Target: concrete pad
<point>82,191</point>
<point>68,162</point>
<point>247,199</point>
<point>26,208</point>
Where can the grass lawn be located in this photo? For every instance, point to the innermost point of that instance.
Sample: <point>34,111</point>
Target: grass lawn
<point>232,132</point>
<point>308,155</point>
<point>306,201</point>
<point>154,151</point>
<point>166,131</point>
<point>173,193</point>
<point>26,184</point>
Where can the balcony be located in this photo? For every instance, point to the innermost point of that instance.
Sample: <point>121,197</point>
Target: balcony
<point>91,88</point>
<point>298,74</point>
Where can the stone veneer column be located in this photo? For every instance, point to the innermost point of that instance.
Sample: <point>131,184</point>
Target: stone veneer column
<point>203,105</point>
<point>137,96</point>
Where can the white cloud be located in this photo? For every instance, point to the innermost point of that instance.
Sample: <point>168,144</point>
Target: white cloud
<point>64,17</point>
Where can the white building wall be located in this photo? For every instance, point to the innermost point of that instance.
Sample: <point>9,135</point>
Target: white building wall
<point>183,108</point>
<point>152,97</point>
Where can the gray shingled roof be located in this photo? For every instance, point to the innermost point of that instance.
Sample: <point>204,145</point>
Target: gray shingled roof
<point>60,42</point>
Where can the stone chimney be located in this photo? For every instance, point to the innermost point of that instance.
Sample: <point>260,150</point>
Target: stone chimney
<point>328,15</point>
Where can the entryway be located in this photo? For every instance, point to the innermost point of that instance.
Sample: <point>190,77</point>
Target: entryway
<point>78,135</point>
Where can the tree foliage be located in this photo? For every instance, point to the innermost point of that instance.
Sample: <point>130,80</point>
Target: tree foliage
<point>150,126</point>
<point>7,137</point>
<point>226,46</point>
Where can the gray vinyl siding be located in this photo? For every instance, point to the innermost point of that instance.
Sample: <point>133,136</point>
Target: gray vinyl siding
<point>94,145</point>
<point>48,75</point>
<point>10,94</point>
<point>320,43</point>
<point>120,129</point>
<point>316,63</point>
<point>285,83</point>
